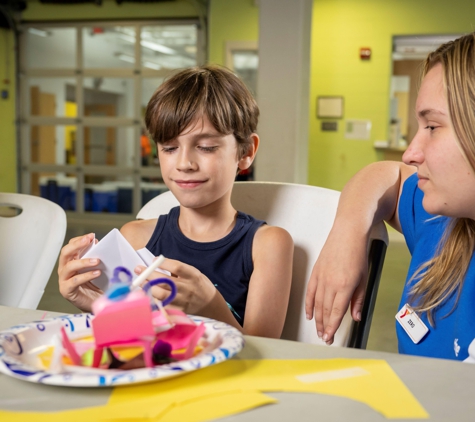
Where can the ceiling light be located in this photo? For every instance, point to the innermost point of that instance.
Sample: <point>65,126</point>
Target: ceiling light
<point>126,58</point>
<point>152,65</point>
<point>130,59</point>
<point>157,47</point>
<point>149,44</point>
<point>39,32</point>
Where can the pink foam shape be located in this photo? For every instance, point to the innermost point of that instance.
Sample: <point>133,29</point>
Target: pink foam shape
<point>70,348</point>
<point>123,321</point>
<point>195,337</point>
<point>103,301</point>
<point>181,334</point>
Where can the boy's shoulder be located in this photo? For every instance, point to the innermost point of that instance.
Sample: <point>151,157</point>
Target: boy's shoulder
<point>139,232</point>
<point>272,237</point>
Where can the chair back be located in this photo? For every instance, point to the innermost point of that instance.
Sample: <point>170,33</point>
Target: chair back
<point>307,213</point>
<point>29,247</point>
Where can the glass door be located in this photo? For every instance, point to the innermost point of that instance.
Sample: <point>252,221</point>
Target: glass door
<point>83,92</point>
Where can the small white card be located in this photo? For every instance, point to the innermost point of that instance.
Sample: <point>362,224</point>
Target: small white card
<point>412,324</point>
<point>113,250</point>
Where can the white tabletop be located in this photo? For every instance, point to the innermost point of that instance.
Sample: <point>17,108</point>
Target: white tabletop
<point>446,389</point>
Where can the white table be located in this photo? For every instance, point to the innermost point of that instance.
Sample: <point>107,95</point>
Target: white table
<point>446,389</point>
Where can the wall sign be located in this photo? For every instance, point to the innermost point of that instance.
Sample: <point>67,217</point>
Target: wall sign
<point>329,107</point>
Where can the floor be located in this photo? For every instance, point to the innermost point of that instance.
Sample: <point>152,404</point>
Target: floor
<point>382,335</point>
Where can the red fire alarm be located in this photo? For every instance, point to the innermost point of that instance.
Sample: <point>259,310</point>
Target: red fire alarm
<point>365,53</point>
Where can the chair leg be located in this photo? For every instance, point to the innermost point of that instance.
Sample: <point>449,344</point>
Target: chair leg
<point>360,330</point>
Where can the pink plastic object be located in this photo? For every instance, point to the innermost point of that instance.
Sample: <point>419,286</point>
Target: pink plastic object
<point>123,321</point>
<point>73,354</point>
<point>183,335</point>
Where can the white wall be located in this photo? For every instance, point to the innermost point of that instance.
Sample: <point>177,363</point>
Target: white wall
<point>283,89</point>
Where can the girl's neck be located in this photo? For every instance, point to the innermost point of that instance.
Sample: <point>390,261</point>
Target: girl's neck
<point>207,224</point>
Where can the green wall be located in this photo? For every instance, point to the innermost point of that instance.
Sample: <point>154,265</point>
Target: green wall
<point>236,20</point>
<point>232,20</point>
<point>109,9</point>
<point>339,29</point>
<point>8,163</point>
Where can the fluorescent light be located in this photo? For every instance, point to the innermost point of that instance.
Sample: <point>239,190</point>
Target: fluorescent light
<point>130,59</point>
<point>152,65</point>
<point>39,32</point>
<point>149,44</point>
<point>126,58</point>
<point>157,47</point>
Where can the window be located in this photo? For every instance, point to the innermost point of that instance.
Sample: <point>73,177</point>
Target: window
<point>83,93</point>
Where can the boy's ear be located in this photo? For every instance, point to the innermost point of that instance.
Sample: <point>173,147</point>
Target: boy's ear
<point>247,159</point>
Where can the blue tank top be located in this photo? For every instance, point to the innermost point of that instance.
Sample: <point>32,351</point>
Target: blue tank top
<point>227,262</point>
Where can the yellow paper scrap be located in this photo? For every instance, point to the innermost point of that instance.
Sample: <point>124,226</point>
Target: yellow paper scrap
<point>46,356</point>
<point>237,385</point>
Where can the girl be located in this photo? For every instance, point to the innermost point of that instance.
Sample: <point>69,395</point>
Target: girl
<point>431,200</point>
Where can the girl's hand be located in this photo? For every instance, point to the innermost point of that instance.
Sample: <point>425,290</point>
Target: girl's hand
<point>338,278</point>
<point>75,287</point>
<point>194,290</point>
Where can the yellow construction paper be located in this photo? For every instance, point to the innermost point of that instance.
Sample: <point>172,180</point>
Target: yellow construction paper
<point>198,409</point>
<point>237,385</point>
<point>380,388</point>
<point>216,406</point>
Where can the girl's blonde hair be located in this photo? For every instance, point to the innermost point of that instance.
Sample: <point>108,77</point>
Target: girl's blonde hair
<point>443,275</point>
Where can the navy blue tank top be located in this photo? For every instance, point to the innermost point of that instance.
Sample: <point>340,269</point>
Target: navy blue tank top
<point>227,262</point>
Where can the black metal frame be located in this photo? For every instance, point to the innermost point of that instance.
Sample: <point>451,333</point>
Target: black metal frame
<point>360,330</point>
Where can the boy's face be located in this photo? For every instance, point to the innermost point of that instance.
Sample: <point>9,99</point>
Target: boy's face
<point>200,165</point>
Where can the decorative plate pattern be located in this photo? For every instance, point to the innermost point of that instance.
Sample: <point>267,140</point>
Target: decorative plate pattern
<point>20,345</point>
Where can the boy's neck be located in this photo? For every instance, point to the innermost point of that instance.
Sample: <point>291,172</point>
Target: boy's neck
<point>207,225</point>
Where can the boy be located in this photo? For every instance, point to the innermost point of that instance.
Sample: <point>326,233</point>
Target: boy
<point>226,264</point>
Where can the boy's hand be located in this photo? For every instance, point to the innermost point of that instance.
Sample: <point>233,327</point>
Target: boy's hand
<point>194,290</point>
<point>75,287</point>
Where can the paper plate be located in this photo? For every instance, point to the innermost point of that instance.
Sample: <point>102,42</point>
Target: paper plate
<point>20,345</point>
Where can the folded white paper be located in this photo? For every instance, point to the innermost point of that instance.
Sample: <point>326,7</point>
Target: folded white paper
<point>113,251</point>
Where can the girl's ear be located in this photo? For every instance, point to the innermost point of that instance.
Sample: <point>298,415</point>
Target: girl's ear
<point>247,159</point>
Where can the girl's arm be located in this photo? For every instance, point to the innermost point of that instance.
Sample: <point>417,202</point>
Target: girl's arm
<point>340,273</point>
<point>269,287</point>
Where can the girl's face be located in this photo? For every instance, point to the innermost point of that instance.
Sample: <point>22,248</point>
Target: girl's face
<point>445,177</point>
<point>200,165</point>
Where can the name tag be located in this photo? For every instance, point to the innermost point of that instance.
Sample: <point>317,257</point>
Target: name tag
<point>412,324</point>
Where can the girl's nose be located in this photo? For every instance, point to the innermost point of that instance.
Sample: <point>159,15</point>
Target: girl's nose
<point>414,155</point>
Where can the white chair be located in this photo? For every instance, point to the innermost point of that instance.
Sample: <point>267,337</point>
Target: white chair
<point>307,213</point>
<point>32,231</point>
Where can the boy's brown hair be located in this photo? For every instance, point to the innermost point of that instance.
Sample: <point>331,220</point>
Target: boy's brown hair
<point>192,93</point>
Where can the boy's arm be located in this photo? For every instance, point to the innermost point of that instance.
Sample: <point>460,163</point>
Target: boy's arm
<point>269,287</point>
<point>138,232</point>
<point>339,275</point>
